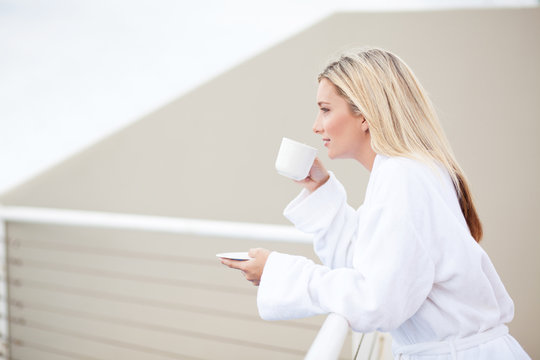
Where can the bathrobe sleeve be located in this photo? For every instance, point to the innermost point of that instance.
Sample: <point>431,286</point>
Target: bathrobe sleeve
<point>327,216</point>
<point>391,273</point>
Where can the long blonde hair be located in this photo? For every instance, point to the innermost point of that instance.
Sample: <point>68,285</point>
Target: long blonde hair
<point>401,118</point>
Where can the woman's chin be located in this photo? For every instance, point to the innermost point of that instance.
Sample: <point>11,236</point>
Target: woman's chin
<point>333,155</point>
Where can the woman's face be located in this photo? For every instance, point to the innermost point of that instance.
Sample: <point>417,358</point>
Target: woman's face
<point>344,133</point>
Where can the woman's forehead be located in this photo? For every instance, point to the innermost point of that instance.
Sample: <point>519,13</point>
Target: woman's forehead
<point>327,91</point>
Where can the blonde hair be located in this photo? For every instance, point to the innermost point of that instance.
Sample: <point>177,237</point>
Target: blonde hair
<point>401,118</point>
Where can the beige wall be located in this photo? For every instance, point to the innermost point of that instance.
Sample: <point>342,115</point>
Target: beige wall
<point>210,154</point>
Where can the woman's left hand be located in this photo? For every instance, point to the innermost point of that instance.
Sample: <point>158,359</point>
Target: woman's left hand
<point>252,268</point>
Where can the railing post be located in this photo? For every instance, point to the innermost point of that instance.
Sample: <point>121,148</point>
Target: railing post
<point>4,317</point>
<point>329,341</point>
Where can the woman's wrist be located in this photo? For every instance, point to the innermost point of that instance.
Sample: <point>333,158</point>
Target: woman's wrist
<point>318,184</point>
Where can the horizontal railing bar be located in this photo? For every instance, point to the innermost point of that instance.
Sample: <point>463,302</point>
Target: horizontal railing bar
<point>16,242</point>
<point>226,229</point>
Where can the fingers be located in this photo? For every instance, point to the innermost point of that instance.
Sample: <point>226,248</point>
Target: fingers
<point>303,181</point>
<point>318,172</point>
<point>253,252</point>
<point>317,176</point>
<point>252,278</point>
<point>259,253</point>
<point>253,268</point>
<point>235,264</point>
<point>240,265</point>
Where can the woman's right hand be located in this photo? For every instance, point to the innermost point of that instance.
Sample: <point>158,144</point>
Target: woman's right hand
<point>317,176</point>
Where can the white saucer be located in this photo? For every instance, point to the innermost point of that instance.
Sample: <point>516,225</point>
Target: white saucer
<point>234,255</point>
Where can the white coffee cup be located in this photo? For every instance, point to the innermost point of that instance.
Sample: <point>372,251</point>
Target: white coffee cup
<point>294,159</point>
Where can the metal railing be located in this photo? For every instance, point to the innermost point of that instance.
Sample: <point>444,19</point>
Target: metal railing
<point>4,319</point>
<point>327,344</point>
<point>329,341</point>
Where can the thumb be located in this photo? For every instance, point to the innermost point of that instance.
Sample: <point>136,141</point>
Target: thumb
<point>253,252</point>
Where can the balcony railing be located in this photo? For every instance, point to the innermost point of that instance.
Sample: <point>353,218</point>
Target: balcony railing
<point>327,344</point>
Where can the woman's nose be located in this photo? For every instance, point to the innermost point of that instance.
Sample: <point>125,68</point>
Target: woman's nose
<point>317,128</point>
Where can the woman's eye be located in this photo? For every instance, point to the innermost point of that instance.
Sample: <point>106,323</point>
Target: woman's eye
<point>325,109</point>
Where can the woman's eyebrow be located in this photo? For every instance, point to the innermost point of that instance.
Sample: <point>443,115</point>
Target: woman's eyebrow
<point>322,102</point>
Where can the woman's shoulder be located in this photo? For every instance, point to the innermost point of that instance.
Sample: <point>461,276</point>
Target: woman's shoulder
<point>401,167</point>
<point>394,174</point>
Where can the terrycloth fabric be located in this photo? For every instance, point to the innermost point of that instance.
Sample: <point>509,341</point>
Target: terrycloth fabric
<point>495,343</point>
<point>404,262</point>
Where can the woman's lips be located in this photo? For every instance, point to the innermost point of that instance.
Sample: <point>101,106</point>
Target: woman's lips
<point>326,141</point>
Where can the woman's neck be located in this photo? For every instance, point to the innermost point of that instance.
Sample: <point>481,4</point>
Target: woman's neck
<point>367,158</point>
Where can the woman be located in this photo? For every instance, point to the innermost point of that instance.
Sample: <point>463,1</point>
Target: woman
<point>407,261</point>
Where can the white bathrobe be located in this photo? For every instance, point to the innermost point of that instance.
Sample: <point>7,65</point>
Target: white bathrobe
<point>404,262</point>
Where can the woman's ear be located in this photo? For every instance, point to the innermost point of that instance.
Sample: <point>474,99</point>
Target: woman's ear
<point>364,125</point>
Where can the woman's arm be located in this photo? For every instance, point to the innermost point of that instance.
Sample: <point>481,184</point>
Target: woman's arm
<point>333,223</point>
